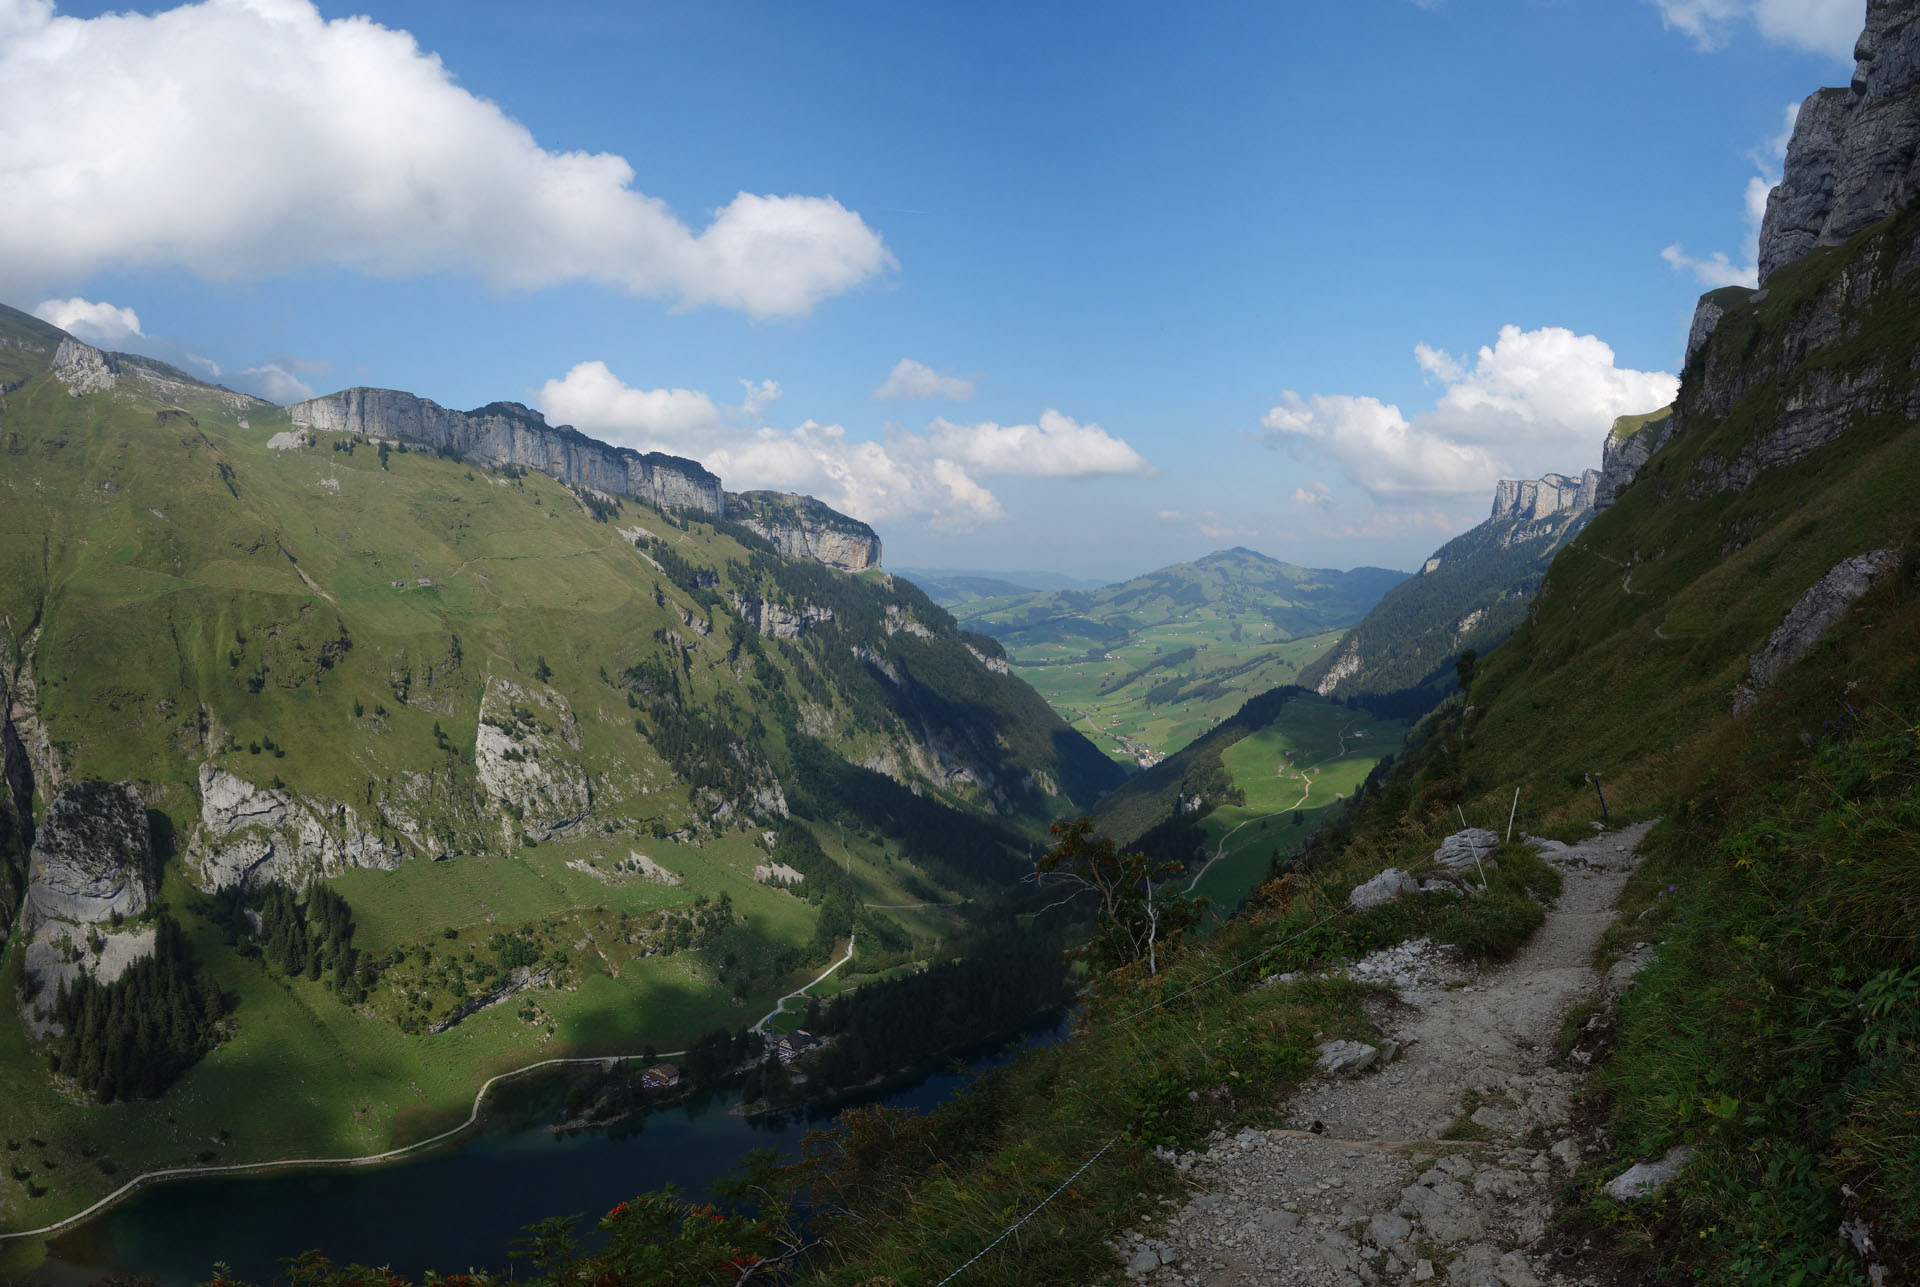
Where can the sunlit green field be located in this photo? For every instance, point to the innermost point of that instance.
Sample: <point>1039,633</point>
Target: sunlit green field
<point>1314,756</point>
<point>1114,702</point>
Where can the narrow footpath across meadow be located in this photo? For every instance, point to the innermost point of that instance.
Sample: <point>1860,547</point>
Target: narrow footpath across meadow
<point>1306,785</point>
<point>1359,1187</point>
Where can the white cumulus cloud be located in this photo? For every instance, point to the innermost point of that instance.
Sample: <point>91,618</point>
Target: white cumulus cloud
<point>594,398</point>
<point>1058,447</point>
<point>1819,26</point>
<point>96,323</point>
<point>240,137</point>
<point>271,381</point>
<point>910,380</point>
<point>1531,403</point>
<point>1318,494</point>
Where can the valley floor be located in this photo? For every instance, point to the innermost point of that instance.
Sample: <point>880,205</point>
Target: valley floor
<point>1439,1166</point>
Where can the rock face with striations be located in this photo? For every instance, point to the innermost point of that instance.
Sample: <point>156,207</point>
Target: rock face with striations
<point>1629,443</point>
<point>1541,497</point>
<point>801,527</point>
<point>92,856</point>
<point>1854,157</point>
<point>83,368</point>
<point>506,433</point>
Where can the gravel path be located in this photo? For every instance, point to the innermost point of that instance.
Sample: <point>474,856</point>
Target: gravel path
<point>1359,1188</point>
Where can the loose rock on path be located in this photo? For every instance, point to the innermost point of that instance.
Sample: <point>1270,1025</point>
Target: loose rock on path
<point>1359,1188</point>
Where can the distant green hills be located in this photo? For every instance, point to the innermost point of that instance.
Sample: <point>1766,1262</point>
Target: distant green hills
<point>1146,665</point>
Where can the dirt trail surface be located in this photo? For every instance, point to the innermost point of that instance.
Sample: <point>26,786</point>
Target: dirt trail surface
<point>1359,1188</point>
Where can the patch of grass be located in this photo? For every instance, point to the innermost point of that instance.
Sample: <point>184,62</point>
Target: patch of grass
<point>1463,1127</point>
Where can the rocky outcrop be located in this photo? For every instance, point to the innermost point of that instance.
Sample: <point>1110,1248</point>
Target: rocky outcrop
<point>800,527</point>
<point>92,857</point>
<point>1538,498</point>
<point>92,868</point>
<point>506,433</point>
<point>777,620</point>
<point>83,368</point>
<point>1631,441</point>
<point>1347,664</point>
<point>1818,610</point>
<point>250,835</point>
<point>1466,850</point>
<point>1854,157</point>
<point>527,752</point>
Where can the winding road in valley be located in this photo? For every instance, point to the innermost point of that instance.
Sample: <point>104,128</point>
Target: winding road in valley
<point>780,1006</point>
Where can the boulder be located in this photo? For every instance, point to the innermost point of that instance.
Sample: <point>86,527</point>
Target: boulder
<point>1647,1179</point>
<point>1466,850</point>
<point>1388,886</point>
<point>1345,1058</point>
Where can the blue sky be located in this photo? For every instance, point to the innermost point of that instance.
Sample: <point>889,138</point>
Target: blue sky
<point>1087,287</point>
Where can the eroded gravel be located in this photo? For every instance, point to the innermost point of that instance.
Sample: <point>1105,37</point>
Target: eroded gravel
<point>1358,1188</point>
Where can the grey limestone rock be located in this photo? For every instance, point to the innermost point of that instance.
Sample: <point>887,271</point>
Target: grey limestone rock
<point>1808,620</point>
<point>1854,157</point>
<point>1647,1179</point>
<point>1345,1058</point>
<point>250,834</point>
<point>1442,1206</point>
<point>506,433</point>
<point>1388,886</point>
<point>1631,441</point>
<point>527,752</point>
<point>83,368</point>
<point>778,621</point>
<point>1387,1228</point>
<point>92,856</point>
<point>1464,850</point>
<point>802,527</point>
<point>1545,496</point>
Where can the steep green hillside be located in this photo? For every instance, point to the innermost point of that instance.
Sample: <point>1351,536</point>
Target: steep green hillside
<point>1250,791</point>
<point>1145,666</point>
<point>549,744</point>
<point>1471,593</point>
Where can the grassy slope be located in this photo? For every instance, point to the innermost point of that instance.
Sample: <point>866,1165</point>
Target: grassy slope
<point>160,590</point>
<point>1114,660</point>
<point>1413,635</point>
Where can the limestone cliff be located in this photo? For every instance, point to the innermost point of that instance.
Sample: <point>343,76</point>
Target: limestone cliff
<point>93,867</point>
<point>92,857</point>
<point>251,834</point>
<point>1629,443</point>
<point>1854,157</point>
<point>802,527</point>
<point>506,433</point>
<point>1541,497</point>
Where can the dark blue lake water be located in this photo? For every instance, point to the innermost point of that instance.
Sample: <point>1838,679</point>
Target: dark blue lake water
<point>461,1207</point>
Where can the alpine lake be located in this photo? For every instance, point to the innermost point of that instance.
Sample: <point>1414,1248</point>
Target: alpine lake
<point>463,1206</point>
